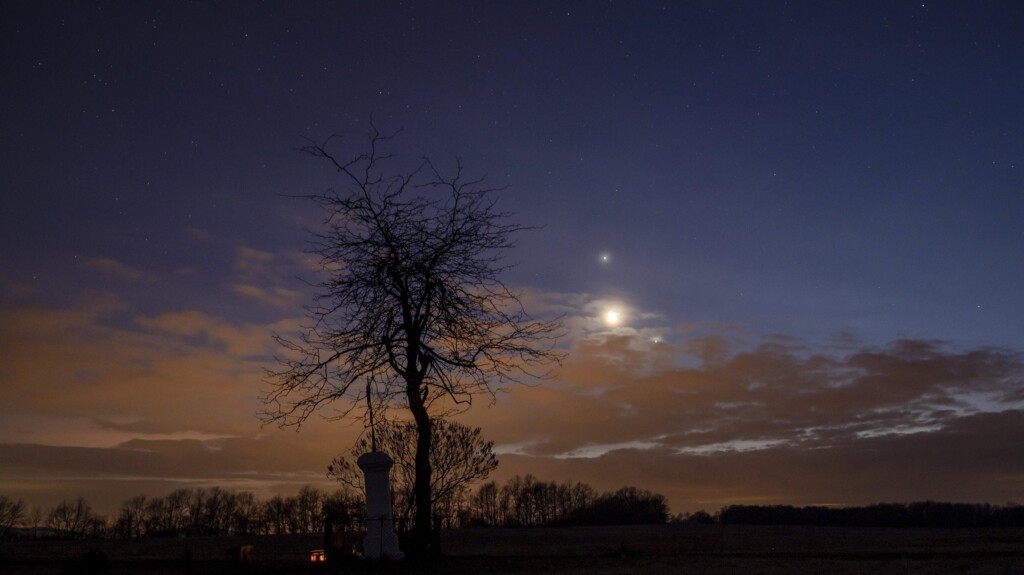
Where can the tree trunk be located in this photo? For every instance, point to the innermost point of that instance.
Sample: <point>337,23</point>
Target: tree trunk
<point>421,527</point>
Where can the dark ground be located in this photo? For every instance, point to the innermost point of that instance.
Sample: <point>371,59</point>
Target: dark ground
<point>647,550</point>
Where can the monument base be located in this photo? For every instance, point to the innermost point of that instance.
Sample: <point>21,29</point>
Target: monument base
<point>381,541</point>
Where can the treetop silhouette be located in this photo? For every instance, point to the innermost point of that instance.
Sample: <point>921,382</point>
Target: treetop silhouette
<point>411,311</point>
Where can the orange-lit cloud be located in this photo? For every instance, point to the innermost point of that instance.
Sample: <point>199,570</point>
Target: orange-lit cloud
<point>741,415</point>
<point>104,399</point>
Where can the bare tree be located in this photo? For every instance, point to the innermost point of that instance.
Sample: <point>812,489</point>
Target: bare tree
<point>216,512</point>
<point>12,513</point>
<point>157,517</point>
<point>309,503</point>
<point>131,518</point>
<point>411,312</point>
<point>35,520</point>
<point>485,505</point>
<point>278,513</point>
<point>177,509</point>
<point>244,514</point>
<point>195,503</point>
<point>459,456</point>
<point>71,519</point>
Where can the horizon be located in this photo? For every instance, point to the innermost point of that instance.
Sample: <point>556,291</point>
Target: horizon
<point>109,515</point>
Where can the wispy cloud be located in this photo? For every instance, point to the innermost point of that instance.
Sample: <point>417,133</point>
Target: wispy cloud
<point>114,268</point>
<point>251,262</point>
<point>270,278</point>
<point>277,297</point>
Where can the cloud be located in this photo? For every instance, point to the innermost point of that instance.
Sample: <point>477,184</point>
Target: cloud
<point>586,316</point>
<point>179,372</point>
<point>805,422</point>
<point>977,459</point>
<point>14,290</point>
<point>266,277</point>
<point>114,268</point>
<point>99,390</point>
<point>251,262</point>
<point>277,297</point>
<point>270,462</point>
<point>207,332</point>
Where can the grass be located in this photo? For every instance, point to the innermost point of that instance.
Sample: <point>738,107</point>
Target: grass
<point>647,550</point>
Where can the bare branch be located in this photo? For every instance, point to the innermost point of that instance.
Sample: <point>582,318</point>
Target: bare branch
<point>411,297</point>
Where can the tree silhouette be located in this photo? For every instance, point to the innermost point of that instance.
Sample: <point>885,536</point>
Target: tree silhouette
<point>11,513</point>
<point>71,520</point>
<point>411,311</point>
<point>458,455</point>
<point>131,518</point>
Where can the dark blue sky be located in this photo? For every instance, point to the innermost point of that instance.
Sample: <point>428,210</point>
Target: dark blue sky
<point>838,173</point>
<point>802,168</point>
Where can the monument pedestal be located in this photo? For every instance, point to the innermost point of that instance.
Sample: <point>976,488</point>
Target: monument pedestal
<point>381,541</point>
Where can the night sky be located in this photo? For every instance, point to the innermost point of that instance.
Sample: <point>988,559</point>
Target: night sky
<point>808,216</point>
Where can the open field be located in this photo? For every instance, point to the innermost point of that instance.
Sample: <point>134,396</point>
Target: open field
<point>647,550</point>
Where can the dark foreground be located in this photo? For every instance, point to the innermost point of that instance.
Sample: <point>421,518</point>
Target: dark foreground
<point>647,550</point>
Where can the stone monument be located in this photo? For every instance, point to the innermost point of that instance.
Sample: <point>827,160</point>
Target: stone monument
<point>381,541</point>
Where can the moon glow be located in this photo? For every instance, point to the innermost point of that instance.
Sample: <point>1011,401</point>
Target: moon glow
<point>612,317</point>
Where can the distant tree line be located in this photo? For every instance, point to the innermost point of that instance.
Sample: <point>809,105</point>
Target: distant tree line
<point>185,512</point>
<point>521,502</point>
<point>528,502</point>
<point>922,514</point>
